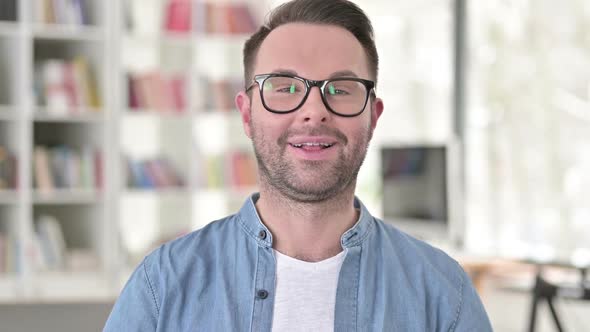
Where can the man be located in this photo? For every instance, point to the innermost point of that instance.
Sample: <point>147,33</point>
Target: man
<point>303,254</point>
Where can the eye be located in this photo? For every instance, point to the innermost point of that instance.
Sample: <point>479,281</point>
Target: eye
<point>283,85</point>
<point>334,90</point>
<point>287,89</point>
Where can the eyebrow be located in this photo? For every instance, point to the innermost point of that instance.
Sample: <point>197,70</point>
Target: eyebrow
<point>344,73</point>
<point>340,73</point>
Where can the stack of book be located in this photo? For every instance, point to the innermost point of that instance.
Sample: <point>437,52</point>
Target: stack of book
<point>63,167</point>
<point>8,169</point>
<point>223,18</point>
<point>156,173</point>
<point>219,94</point>
<point>67,87</point>
<point>51,252</point>
<point>236,169</point>
<point>178,16</point>
<point>206,17</point>
<point>71,12</point>
<point>51,244</point>
<point>157,91</point>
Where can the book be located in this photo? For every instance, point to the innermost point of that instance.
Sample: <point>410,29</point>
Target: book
<point>223,18</point>
<point>157,91</point>
<point>67,87</point>
<point>3,244</point>
<point>42,177</point>
<point>86,86</point>
<point>153,173</point>
<point>67,168</point>
<point>51,242</point>
<point>178,16</point>
<point>8,169</point>
<point>67,12</point>
<point>98,170</point>
<point>57,97</point>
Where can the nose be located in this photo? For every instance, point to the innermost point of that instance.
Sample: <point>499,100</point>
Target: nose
<point>314,110</point>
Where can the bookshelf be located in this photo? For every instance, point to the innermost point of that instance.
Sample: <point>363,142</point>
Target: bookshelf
<point>180,67</point>
<point>55,98</point>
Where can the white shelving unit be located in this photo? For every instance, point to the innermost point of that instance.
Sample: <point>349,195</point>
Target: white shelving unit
<point>189,139</point>
<point>83,214</point>
<point>11,68</point>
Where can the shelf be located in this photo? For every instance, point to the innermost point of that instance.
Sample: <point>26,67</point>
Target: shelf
<point>182,191</point>
<point>171,191</point>
<point>66,197</point>
<point>139,113</point>
<point>229,192</point>
<point>9,29</point>
<point>220,37</point>
<point>189,38</point>
<point>85,116</point>
<point>171,37</point>
<point>218,115</point>
<point>67,32</point>
<point>7,197</point>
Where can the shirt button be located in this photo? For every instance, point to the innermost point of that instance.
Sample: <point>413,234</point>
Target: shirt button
<point>262,294</point>
<point>262,235</point>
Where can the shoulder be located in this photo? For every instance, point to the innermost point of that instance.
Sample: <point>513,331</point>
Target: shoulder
<point>432,275</point>
<point>416,256</point>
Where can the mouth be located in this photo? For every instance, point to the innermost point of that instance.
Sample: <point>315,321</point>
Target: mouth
<point>312,145</point>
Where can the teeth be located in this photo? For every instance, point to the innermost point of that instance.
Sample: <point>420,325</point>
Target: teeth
<point>325,145</point>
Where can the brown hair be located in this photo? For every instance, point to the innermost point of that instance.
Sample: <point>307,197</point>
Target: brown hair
<point>341,13</point>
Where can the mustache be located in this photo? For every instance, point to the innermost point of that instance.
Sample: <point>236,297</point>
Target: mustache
<point>315,131</point>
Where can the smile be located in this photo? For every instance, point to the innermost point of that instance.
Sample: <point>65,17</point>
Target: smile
<point>321,145</point>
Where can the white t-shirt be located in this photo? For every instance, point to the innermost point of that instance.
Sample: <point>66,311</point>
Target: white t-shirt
<point>306,293</point>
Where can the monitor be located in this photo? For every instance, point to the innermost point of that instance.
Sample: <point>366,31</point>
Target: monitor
<point>418,190</point>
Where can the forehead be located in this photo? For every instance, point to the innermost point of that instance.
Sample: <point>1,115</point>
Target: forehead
<point>311,50</point>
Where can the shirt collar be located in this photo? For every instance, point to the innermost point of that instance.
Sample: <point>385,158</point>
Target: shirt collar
<point>253,226</point>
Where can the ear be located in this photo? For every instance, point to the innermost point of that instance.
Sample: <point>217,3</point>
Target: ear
<point>376,111</point>
<point>243,104</point>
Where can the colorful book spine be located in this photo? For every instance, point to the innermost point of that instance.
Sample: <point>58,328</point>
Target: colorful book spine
<point>155,173</point>
<point>235,169</point>
<point>8,169</point>
<point>157,92</point>
<point>219,94</point>
<point>178,16</point>
<point>223,18</point>
<point>63,167</point>
<point>68,87</point>
<point>69,12</point>
<point>51,243</point>
<point>9,260</point>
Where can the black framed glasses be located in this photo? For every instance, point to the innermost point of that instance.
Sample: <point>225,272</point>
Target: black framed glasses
<point>344,96</point>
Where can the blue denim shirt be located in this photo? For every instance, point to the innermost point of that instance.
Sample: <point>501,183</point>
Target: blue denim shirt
<point>222,278</point>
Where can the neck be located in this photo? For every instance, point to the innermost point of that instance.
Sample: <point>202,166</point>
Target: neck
<point>307,231</point>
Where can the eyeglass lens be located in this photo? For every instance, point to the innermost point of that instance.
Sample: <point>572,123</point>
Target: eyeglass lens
<point>283,94</point>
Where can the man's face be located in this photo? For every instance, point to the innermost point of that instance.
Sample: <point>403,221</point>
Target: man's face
<point>291,148</point>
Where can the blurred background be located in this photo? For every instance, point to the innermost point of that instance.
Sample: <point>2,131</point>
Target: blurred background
<point>118,132</point>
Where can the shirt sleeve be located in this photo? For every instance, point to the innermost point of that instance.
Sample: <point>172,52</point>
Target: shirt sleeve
<point>471,314</point>
<point>137,307</point>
